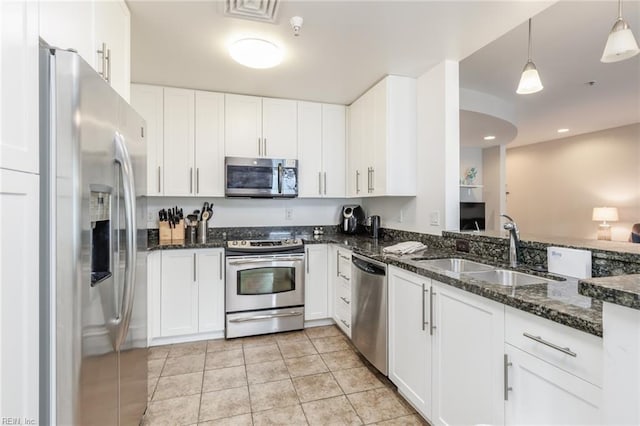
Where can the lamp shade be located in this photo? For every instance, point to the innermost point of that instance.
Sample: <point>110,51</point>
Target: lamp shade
<point>621,44</point>
<point>530,80</point>
<point>605,214</point>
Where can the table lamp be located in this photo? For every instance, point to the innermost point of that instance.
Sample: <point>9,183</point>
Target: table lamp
<point>604,215</point>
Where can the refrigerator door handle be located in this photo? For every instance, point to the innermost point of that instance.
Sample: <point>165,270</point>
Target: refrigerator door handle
<point>122,158</point>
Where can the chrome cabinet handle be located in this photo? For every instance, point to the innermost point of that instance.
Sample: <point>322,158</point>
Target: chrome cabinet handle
<point>191,180</point>
<point>221,265</point>
<point>109,65</point>
<point>307,261</point>
<point>337,263</point>
<point>126,168</point>
<point>319,183</point>
<point>423,305</point>
<point>345,300</point>
<point>373,188</point>
<point>263,317</point>
<point>103,53</point>
<point>344,277</point>
<point>345,323</point>
<point>433,327</point>
<point>539,339</point>
<point>369,179</point>
<point>159,178</point>
<point>357,181</point>
<point>264,142</point>
<point>259,148</point>
<point>344,257</point>
<point>194,268</point>
<point>325,183</point>
<point>197,180</point>
<point>506,365</point>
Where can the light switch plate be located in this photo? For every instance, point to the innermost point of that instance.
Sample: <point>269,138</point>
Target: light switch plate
<point>288,213</point>
<point>434,218</point>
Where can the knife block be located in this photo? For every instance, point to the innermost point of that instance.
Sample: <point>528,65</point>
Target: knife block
<point>169,234</point>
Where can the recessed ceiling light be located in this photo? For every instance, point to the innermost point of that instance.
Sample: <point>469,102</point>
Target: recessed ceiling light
<point>256,53</point>
<point>489,138</point>
<point>563,130</point>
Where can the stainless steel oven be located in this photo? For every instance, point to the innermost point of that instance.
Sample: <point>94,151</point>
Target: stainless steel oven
<point>264,287</point>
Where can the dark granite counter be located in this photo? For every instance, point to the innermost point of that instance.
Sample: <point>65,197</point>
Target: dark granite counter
<point>176,245</point>
<point>622,290</point>
<point>558,302</point>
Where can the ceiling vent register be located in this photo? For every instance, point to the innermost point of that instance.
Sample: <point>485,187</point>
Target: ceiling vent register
<point>253,10</point>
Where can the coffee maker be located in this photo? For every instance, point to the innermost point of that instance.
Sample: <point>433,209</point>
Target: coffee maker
<point>352,219</point>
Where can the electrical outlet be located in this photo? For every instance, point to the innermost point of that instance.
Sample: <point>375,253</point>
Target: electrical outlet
<point>434,218</point>
<point>401,218</point>
<point>288,214</point>
<point>151,217</point>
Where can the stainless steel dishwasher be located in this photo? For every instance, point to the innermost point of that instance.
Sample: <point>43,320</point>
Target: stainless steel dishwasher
<point>369,310</point>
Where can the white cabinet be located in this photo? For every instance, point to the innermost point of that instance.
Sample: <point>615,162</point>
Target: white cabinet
<point>185,151</point>
<point>191,292</point>
<point>19,138</point>
<point>148,101</point>
<point>341,280</point>
<point>209,144</point>
<point>210,276</point>
<point>321,150</point>
<point>410,342</point>
<point>542,394</point>
<point>260,127</point>
<point>316,292</point>
<point>468,344</point>
<point>98,30</point>
<point>19,270</point>
<point>382,140</point>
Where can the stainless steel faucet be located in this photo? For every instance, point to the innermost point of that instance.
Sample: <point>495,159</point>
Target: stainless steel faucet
<point>514,240</point>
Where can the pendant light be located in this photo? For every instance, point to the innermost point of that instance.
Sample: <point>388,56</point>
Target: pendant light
<point>621,44</point>
<point>530,79</point>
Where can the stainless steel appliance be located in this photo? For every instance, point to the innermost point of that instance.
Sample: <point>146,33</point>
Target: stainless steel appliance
<point>261,177</point>
<point>369,312</point>
<point>373,226</point>
<point>264,286</point>
<point>352,219</point>
<point>93,320</point>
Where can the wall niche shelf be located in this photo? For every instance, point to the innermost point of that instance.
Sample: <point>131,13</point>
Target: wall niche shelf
<point>471,186</point>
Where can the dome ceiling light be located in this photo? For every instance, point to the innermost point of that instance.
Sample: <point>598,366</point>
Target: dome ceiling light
<point>256,53</point>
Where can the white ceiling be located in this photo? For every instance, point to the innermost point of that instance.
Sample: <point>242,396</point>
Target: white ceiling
<point>474,126</point>
<point>344,47</point>
<point>568,39</point>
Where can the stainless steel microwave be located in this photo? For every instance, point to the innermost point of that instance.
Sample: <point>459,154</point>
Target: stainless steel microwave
<point>260,177</point>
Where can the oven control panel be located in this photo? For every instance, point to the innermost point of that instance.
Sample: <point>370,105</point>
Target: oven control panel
<point>264,245</point>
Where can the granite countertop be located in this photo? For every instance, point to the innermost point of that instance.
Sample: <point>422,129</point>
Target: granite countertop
<point>622,290</point>
<point>558,302</point>
<point>175,245</point>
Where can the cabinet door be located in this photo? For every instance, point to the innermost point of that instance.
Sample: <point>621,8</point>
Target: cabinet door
<point>148,101</point>
<point>467,358</point>
<point>409,337</point>
<point>178,142</point>
<point>112,27</point>
<point>542,394</point>
<point>242,126</point>
<point>68,25</point>
<point>179,300</point>
<point>19,293</point>
<point>316,304</point>
<point>211,290</point>
<point>377,155</point>
<point>279,128</point>
<point>333,150</point>
<point>209,144</point>
<point>310,149</point>
<point>354,150</point>
<point>19,139</point>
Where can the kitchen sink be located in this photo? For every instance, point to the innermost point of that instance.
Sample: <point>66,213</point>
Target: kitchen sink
<point>455,265</point>
<point>507,278</point>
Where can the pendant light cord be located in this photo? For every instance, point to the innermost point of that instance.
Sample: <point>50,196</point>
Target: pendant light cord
<point>529,51</point>
<point>619,9</point>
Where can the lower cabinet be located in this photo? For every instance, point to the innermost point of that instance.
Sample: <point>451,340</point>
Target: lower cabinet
<point>188,297</point>
<point>316,289</point>
<point>340,276</point>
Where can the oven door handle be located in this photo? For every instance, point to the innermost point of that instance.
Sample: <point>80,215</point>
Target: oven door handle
<point>265,260</point>
<point>280,178</point>
<point>264,317</point>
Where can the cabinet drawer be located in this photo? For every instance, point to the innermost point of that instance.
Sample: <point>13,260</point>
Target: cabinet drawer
<point>571,350</point>
<point>343,291</point>
<point>343,316</point>
<point>344,264</point>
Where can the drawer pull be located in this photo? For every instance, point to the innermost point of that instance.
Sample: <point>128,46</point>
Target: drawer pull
<point>345,300</point>
<point>343,276</point>
<point>539,339</point>
<point>345,323</point>
<point>347,258</point>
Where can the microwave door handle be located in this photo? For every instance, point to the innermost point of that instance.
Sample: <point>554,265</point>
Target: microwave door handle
<point>280,177</point>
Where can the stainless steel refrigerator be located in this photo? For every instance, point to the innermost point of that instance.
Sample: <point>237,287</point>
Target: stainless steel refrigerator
<point>93,368</point>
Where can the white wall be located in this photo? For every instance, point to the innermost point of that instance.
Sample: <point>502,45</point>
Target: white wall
<point>471,157</point>
<point>553,186</point>
<point>494,191</point>
<point>255,212</point>
<point>438,157</point>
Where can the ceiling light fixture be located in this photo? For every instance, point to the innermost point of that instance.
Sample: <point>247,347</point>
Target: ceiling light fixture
<point>256,53</point>
<point>489,138</point>
<point>621,44</point>
<point>530,79</point>
<point>564,130</point>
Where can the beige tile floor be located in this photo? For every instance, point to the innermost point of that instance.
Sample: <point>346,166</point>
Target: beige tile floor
<point>310,377</point>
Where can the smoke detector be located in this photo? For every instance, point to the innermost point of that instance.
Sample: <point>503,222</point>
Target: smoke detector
<point>296,24</point>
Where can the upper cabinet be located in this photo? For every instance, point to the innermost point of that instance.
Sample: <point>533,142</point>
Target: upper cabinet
<point>260,127</point>
<point>98,30</point>
<point>185,140</point>
<point>382,140</point>
<point>321,150</point>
